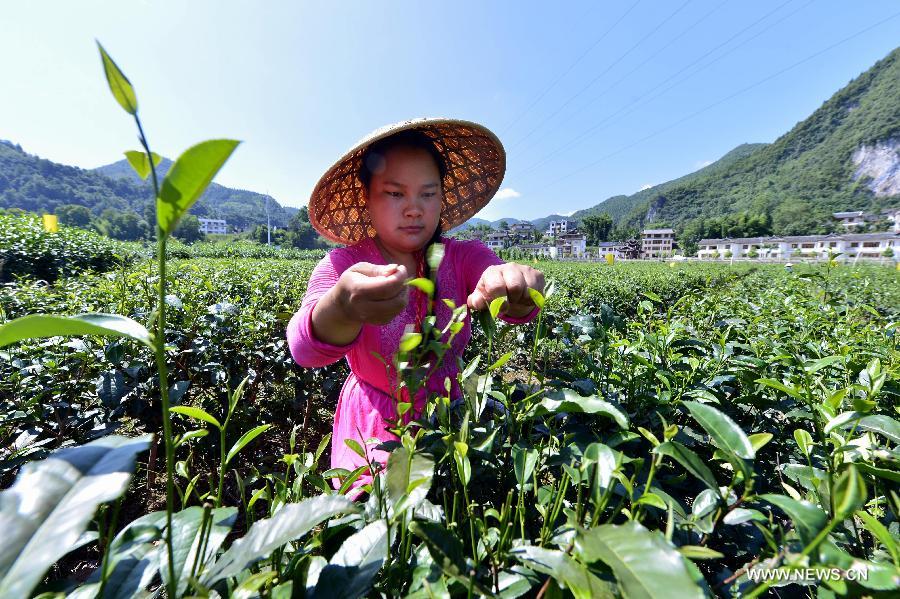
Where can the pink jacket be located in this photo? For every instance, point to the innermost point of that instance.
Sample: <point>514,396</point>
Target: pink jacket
<point>366,401</point>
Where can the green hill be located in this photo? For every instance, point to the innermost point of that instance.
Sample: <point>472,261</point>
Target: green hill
<point>845,156</point>
<point>621,206</point>
<point>239,207</point>
<point>38,185</point>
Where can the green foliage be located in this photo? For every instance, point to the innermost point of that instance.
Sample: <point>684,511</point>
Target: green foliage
<point>26,249</point>
<point>597,227</point>
<point>188,229</point>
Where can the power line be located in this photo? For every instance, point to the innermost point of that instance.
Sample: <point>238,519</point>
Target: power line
<point>643,99</point>
<point>568,70</point>
<point>606,70</point>
<point>723,100</point>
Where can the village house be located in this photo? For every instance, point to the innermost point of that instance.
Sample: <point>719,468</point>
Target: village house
<point>539,250</point>
<point>213,225</point>
<point>561,227</point>
<point>571,245</point>
<point>630,249</point>
<point>523,228</point>
<point>657,243</point>
<point>497,240</point>
<point>893,215</point>
<point>849,245</point>
<point>855,218</point>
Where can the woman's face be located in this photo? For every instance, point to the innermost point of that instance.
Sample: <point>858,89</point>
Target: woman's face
<point>405,199</point>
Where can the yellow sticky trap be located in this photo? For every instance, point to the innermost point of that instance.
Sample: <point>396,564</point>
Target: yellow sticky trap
<point>51,223</point>
<point>610,258</point>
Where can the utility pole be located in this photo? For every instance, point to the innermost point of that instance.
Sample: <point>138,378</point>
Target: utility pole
<point>268,222</point>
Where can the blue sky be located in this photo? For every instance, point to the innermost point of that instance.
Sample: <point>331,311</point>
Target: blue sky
<point>591,99</point>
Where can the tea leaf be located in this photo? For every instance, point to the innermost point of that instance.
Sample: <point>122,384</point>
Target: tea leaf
<point>849,492</point>
<point>410,341</point>
<point>188,179</point>
<point>569,573</point>
<point>196,414</point>
<point>408,475</point>
<point>291,522</point>
<point>245,439</point>
<point>37,326</point>
<point>52,502</point>
<point>808,519</point>
<point>446,550</point>
<point>119,84</point>
<point>727,435</point>
<point>351,570</point>
<point>804,440</point>
<point>495,306</point>
<point>566,400</point>
<point>644,563</point>
<point>524,461</point>
<point>500,361</point>
<point>699,552</point>
<point>140,163</point>
<point>423,285</point>
<point>881,533</point>
<point>188,534</point>
<point>690,460</point>
<point>536,297</point>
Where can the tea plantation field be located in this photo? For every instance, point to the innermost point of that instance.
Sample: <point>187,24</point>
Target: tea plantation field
<point>660,431</point>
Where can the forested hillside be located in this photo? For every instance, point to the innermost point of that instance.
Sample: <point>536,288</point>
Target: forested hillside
<point>39,185</point>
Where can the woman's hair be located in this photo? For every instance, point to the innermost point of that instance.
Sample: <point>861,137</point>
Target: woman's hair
<point>373,160</point>
<point>373,157</point>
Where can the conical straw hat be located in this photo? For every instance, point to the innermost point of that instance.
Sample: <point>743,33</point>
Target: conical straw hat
<point>475,159</point>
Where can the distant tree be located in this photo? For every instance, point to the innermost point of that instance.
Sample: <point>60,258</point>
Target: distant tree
<point>504,226</point>
<point>188,229</point>
<point>300,233</point>
<point>597,227</point>
<point>75,215</point>
<point>888,252</point>
<point>123,225</point>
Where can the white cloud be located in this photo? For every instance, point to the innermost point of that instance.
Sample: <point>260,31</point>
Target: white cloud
<point>507,193</point>
<point>570,213</point>
<point>703,163</point>
<point>646,186</point>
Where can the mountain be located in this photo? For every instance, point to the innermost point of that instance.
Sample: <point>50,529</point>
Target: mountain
<point>845,156</point>
<point>35,184</point>
<point>619,207</point>
<point>239,207</point>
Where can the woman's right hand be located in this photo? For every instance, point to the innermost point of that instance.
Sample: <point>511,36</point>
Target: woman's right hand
<point>372,293</point>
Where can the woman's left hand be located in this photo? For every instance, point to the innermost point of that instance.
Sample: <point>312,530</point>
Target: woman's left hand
<point>510,280</point>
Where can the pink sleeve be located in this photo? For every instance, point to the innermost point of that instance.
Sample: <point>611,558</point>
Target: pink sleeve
<point>305,348</point>
<point>474,259</point>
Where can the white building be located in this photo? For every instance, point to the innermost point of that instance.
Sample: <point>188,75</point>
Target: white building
<point>618,249</point>
<point>213,225</point>
<point>571,245</point>
<point>561,227</point>
<point>497,241</point>
<point>521,228</point>
<point>893,215</point>
<point>855,218</point>
<point>849,245</point>
<point>656,243</point>
<point>537,250</point>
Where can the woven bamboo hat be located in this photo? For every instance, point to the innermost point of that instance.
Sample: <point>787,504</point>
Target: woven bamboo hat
<point>475,160</point>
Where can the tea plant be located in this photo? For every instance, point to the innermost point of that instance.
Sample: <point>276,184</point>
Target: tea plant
<point>658,432</point>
